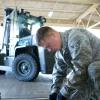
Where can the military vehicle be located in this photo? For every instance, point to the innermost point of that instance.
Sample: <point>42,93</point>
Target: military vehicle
<point>19,51</point>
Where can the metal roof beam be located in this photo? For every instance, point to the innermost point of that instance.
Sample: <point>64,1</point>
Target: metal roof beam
<point>88,11</point>
<point>94,25</point>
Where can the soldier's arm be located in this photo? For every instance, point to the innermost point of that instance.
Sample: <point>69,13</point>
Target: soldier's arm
<point>81,51</point>
<point>59,73</point>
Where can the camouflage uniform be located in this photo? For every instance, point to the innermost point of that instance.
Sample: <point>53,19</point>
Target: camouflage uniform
<point>78,59</point>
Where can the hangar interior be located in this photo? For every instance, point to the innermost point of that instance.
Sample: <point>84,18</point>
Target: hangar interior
<point>72,13</point>
<point>63,13</point>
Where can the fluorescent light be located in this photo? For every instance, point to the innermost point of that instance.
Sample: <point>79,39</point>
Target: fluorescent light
<point>50,13</point>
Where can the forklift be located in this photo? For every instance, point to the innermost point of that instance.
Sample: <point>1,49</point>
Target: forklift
<point>19,51</point>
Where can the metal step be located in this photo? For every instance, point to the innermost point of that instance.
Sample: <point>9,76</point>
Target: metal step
<point>5,68</point>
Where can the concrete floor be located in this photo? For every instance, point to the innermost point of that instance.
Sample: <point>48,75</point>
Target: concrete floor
<point>13,89</point>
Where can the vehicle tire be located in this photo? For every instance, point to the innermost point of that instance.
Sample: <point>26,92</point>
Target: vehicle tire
<point>25,68</point>
<point>2,72</point>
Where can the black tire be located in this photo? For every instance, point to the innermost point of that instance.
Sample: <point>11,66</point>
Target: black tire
<point>2,72</point>
<point>25,68</point>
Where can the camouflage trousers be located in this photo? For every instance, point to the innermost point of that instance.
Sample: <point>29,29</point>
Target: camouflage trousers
<point>84,90</point>
<point>94,75</point>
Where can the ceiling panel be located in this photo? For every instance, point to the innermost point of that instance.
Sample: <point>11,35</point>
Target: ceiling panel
<point>65,12</point>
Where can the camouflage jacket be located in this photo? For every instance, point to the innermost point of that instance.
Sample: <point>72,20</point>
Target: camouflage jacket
<point>79,49</point>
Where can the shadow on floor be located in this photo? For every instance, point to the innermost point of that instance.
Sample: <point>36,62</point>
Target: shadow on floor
<point>13,89</point>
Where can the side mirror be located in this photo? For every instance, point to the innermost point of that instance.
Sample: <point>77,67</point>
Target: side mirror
<point>42,19</point>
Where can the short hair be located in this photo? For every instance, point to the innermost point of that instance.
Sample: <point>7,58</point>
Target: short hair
<point>42,32</point>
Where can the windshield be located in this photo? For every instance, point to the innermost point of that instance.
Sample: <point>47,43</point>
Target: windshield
<point>28,25</point>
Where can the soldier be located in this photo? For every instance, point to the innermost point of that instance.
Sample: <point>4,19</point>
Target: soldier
<point>76,73</point>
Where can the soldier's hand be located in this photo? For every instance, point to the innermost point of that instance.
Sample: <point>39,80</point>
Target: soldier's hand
<point>52,96</point>
<point>60,97</point>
